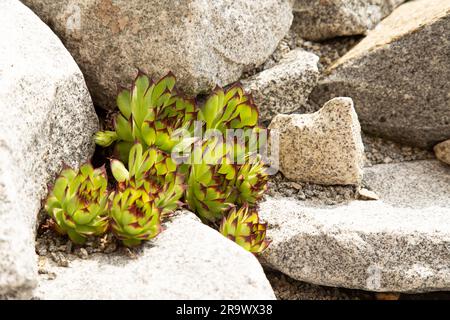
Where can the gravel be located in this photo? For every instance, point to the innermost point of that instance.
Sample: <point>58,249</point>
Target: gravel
<point>51,245</point>
<point>380,151</point>
<point>280,186</point>
<point>286,288</point>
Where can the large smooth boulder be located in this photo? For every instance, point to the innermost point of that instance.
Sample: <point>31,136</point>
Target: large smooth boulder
<point>397,244</point>
<point>203,43</point>
<point>188,260</point>
<point>399,75</point>
<point>324,147</point>
<point>47,120</point>
<point>324,19</point>
<point>285,87</point>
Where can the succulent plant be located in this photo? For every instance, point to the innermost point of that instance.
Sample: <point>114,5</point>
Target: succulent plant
<point>150,113</point>
<point>155,173</point>
<point>230,109</point>
<point>251,182</point>
<point>146,192</point>
<point>224,174</point>
<point>243,227</point>
<point>78,203</point>
<point>135,216</point>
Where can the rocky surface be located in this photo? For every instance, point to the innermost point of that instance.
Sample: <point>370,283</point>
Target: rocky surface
<point>280,186</point>
<point>319,20</point>
<point>397,93</point>
<point>324,147</point>
<point>442,151</point>
<point>399,243</point>
<point>203,42</point>
<point>379,150</point>
<point>289,289</point>
<point>187,261</point>
<point>47,119</point>
<point>285,87</point>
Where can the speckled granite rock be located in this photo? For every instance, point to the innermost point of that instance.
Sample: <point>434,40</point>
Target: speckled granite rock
<point>285,87</point>
<point>324,147</point>
<point>399,92</point>
<point>187,261</point>
<point>203,42</point>
<point>47,119</point>
<point>400,243</point>
<point>319,19</point>
<point>442,151</point>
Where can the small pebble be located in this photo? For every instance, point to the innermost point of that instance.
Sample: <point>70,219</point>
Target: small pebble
<point>69,246</point>
<point>82,253</point>
<point>365,194</point>
<point>60,259</point>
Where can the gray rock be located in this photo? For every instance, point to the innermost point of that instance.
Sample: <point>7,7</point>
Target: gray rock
<point>285,87</point>
<point>442,151</point>
<point>319,20</point>
<point>203,42</point>
<point>324,147</point>
<point>47,119</point>
<point>398,244</point>
<point>187,261</point>
<point>399,92</point>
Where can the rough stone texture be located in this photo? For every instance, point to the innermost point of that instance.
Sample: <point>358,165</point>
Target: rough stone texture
<point>399,244</point>
<point>442,151</point>
<point>187,261</point>
<point>324,147</point>
<point>379,150</point>
<point>203,42</point>
<point>47,119</point>
<point>399,75</point>
<point>325,19</point>
<point>285,87</point>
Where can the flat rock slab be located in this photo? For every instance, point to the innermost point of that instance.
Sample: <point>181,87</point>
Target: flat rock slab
<point>48,120</point>
<point>400,243</point>
<point>399,75</point>
<point>204,43</point>
<point>187,261</point>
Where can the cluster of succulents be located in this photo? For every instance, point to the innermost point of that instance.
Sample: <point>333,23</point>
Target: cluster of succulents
<point>219,170</point>
<point>147,189</point>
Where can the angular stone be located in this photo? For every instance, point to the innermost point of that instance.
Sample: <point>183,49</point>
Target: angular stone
<point>186,261</point>
<point>364,194</point>
<point>399,75</point>
<point>319,19</point>
<point>398,244</point>
<point>47,120</point>
<point>203,43</point>
<point>285,87</point>
<point>324,147</point>
<point>442,151</point>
